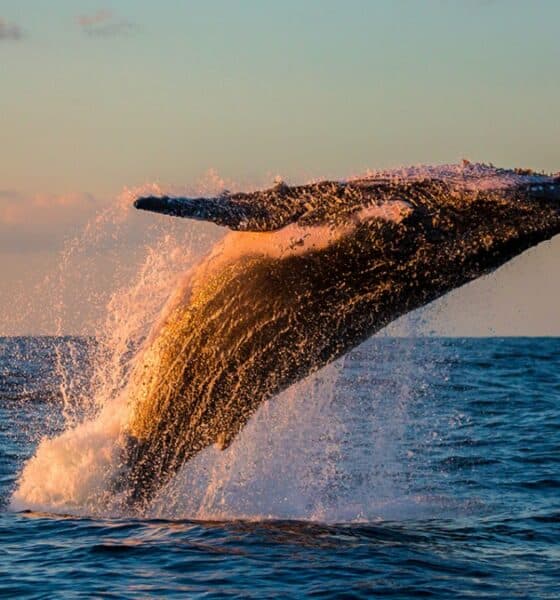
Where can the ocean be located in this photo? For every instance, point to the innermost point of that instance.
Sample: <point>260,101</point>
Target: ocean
<point>415,467</point>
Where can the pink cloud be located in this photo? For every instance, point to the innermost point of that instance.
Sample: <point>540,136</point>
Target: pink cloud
<point>101,16</point>
<point>10,31</point>
<point>33,221</point>
<point>103,23</point>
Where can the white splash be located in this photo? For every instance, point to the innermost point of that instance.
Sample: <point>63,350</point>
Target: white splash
<point>303,455</point>
<point>71,473</point>
<point>463,176</point>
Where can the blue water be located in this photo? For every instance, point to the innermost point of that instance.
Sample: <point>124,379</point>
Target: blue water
<point>464,499</point>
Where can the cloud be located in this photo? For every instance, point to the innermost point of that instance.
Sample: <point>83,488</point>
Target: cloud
<point>100,17</point>
<point>10,31</point>
<point>30,222</point>
<point>104,23</point>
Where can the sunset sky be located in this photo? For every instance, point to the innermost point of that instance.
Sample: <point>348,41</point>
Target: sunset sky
<point>98,96</point>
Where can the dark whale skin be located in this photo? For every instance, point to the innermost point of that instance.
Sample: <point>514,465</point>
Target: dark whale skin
<point>261,322</point>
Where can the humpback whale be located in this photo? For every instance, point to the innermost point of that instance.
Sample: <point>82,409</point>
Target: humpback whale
<point>309,272</point>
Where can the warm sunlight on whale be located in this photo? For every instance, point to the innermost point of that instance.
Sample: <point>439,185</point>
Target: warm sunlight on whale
<point>310,272</point>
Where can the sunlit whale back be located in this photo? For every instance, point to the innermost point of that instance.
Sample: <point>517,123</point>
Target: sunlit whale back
<point>308,273</point>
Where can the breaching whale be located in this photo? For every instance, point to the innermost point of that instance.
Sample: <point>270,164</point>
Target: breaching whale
<point>310,272</point>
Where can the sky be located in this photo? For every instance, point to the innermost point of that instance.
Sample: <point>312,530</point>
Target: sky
<point>99,96</point>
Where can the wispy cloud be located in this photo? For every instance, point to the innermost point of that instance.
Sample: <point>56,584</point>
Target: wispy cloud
<point>10,31</point>
<point>104,23</point>
<point>41,221</point>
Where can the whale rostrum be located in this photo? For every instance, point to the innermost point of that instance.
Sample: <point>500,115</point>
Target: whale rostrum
<point>308,273</point>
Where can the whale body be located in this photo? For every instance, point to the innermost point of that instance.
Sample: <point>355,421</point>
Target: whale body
<point>308,273</point>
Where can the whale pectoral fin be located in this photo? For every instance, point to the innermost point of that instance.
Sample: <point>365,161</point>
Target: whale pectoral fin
<point>265,210</point>
<point>221,210</point>
<point>259,211</point>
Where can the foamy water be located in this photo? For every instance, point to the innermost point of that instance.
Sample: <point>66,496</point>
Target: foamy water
<point>329,449</point>
<point>71,473</point>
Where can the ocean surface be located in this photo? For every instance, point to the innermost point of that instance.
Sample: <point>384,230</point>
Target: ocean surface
<point>418,467</point>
